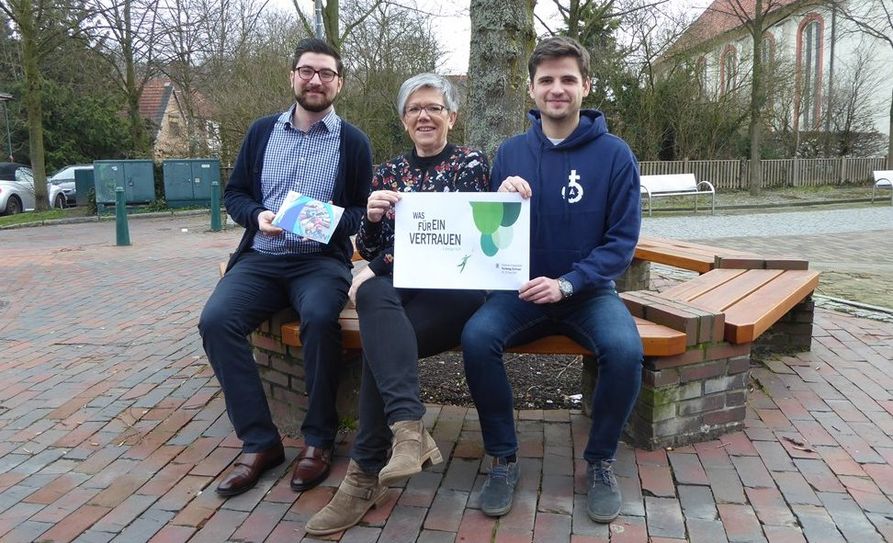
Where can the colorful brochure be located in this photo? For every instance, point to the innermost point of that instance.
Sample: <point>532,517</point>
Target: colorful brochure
<point>308,217</point>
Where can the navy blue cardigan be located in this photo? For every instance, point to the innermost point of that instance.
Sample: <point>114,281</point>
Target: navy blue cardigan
<point>244,200</point>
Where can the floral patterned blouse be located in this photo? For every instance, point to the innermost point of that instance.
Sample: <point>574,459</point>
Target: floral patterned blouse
<point>455,169</point>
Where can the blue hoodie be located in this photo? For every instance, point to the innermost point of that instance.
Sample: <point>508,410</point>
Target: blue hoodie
<point>585,208</point>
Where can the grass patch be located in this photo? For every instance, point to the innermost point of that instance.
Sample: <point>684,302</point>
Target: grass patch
<point>40,216</point>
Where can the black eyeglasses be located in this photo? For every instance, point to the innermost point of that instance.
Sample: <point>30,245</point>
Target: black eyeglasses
<point>432,109</point>
<point>325,75</point>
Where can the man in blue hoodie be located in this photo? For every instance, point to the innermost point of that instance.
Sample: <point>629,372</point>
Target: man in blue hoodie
<point>583,184</point>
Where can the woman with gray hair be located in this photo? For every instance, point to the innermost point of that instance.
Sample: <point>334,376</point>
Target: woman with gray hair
<point>398,326</point>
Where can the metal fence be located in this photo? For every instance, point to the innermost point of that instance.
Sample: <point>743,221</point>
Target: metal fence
<point>785,172</point>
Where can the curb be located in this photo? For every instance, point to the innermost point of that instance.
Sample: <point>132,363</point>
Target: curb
<point>104,218</point>
<point>811,203</point>
<point>852,303</point>
<point>190,212</point>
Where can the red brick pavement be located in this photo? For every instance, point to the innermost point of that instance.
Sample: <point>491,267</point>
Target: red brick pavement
<point>112,427</point>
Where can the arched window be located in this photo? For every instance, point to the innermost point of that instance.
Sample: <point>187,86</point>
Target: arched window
<point>728,69</point>
<point>810,45</point>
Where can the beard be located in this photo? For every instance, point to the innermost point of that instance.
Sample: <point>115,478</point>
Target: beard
<point>316,105</point>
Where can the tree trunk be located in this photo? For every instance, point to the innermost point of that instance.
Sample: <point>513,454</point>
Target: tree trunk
<point>502,38</point>
<point>330,22</point>
<point>33,106</point>
<point>133,91</point>
<point>890,142</point>
<point>756,102</point>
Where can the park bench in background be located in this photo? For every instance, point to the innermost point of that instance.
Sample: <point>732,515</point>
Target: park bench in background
<point>677,184</point>
<point>882,179</point>
<point>697,336</point>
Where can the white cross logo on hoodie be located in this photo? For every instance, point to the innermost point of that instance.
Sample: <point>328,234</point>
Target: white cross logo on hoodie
<point>573,192</point>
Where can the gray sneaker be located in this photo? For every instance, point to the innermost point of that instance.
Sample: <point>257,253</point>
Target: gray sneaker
<point>499,488</point>
<point>604,494</point>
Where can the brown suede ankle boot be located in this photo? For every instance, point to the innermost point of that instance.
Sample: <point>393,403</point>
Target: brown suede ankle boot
<point>358,493</point>
<point>413,449</point>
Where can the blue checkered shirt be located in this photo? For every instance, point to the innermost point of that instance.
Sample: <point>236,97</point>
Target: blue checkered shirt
<point>305,162</point>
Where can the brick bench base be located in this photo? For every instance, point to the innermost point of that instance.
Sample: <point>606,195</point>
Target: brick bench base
<point>282,374</point>
<point>686,398</point>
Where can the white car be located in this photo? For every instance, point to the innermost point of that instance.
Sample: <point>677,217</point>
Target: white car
<point>64,179</point>
<point>17,190</point>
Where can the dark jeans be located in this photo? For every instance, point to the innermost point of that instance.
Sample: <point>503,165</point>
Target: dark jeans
<point>399,326</point>
<point>256,287</point>
<point>596,320</point>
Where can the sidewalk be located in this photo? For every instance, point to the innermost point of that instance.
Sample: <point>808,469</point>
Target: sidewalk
<point>112,426</point>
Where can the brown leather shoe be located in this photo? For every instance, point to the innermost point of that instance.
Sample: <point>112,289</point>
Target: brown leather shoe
<point>248,468</point>
<point>312,468</point>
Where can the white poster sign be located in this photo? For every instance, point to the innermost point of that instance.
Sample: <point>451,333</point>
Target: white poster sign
<point>462,240</point>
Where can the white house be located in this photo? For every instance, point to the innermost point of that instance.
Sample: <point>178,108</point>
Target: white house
<point>825,66</point>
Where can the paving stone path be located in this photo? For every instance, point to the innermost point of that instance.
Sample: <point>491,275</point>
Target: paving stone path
<point>112,426</point>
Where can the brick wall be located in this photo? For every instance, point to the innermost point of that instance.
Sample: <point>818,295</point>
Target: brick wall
<point>792,333</point>
<point>282,374</point>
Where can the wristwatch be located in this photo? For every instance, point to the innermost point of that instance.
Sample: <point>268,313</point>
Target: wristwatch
<point>566,288</point>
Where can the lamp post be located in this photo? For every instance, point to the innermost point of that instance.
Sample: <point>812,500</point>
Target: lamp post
<point>319,32</point>
<point>3,99</point>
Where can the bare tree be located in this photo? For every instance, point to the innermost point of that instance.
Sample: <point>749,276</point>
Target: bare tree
<point>390,45</point>
<point>501,40</point>
<point>41,25</point>
<point>874,18</point>
<point>755,19</point>
<point>127,39</point>
<point>249,81</point>
<point>331,18</point>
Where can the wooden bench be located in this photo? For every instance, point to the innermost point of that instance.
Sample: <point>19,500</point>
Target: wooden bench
<point>882,179</point>
<point>697,338</point>
<point>657,340</point>
<point>678,184</point>
<point>703,258</point>
<point>750,300</point>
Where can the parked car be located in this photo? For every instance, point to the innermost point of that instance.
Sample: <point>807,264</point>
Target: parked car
<point>17,190</point>
<point>64,179</point>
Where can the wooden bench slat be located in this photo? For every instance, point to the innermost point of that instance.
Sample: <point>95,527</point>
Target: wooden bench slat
<point>698,286</point>
<point>723,296</point>
<point>703,258</point>
<point>675,259</point>
<point>752,300</point>
<point>750,317</point>
<point>691,256</point>
<point>699,248</point>
<point>657,340</point>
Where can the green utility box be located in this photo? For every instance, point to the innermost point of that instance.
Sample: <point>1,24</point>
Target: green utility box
<point>83,184</point>
<point>136,176</point>
<point>187,182</point>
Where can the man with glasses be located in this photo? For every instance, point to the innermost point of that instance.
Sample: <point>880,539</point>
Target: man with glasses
<point>310,150</point>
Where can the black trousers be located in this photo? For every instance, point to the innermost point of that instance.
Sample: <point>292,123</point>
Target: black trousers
<point>397,327</point>
<point>256,287</point>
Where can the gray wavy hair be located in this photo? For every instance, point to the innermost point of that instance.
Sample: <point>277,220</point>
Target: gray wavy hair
<point>431,81</point>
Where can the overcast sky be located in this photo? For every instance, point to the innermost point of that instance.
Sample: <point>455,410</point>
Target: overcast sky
<point>453,26</point>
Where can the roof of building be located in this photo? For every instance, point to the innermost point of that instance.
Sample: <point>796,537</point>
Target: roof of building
<point>723,16</point>
<point>153,102</point>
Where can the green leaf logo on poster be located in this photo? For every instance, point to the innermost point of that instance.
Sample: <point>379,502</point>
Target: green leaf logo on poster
<point>494,220</point>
